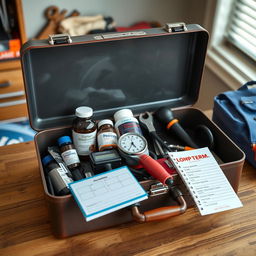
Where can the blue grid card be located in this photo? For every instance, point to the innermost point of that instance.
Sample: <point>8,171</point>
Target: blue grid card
<point>107,192</point>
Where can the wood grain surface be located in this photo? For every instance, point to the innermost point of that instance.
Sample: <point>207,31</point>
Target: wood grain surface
<point>25,228</point>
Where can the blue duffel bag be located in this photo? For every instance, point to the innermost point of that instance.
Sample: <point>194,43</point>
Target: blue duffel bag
<point>235,113</point>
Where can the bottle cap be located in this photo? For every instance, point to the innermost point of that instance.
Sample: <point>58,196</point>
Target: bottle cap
<point>63,140</point>
<point>123,113</point>
<point>47,159</point>
<point>84,112</point>
<point>105,121</point>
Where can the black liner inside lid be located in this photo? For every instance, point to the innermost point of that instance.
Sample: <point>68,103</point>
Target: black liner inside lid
<point>137,73</point>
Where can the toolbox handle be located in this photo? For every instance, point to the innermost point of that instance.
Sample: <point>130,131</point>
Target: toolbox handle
<point>159,213</point>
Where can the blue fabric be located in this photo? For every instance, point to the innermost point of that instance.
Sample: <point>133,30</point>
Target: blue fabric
<point>15,132</point>
<point>235,113</point>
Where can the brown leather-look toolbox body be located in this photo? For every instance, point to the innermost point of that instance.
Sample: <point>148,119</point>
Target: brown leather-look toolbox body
<point>140,70</point>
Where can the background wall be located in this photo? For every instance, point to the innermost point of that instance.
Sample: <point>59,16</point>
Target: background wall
<point>126,13</point>
<point>211,86</point>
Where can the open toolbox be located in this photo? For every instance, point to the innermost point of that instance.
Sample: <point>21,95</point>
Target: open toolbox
<point>139,70</point>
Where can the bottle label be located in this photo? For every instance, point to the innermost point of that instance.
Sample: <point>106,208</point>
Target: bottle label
<point>85,143</point>
<point>59,178</point>
<point>70,157</point>
<point>128,125</point>
<point>107,139</point>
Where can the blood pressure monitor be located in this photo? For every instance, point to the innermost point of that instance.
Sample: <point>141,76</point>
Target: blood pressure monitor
<point>131,146</point>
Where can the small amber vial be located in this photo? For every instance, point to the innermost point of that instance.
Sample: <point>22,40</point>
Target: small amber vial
<point>84,132</point>
<point>68,152</point>
<point>106,137</point>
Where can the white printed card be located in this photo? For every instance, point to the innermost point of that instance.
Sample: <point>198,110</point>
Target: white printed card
<point>205,180</point>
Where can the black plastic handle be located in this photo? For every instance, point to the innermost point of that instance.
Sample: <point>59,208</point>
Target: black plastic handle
<point>5,84</point>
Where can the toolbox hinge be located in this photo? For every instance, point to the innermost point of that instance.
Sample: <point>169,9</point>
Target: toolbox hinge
<point>59,39</point>
<point>175,27</point>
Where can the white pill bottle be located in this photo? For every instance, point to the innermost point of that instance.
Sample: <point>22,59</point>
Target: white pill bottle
<point>125,122</point>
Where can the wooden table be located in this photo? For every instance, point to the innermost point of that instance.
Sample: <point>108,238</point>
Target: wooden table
<point>25,227</point>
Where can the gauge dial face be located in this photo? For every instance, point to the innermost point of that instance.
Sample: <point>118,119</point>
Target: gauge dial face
<point>132,143</point>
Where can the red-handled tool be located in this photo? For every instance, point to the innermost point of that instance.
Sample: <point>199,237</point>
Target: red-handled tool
<point>133,147</point>
<point>155,169</point>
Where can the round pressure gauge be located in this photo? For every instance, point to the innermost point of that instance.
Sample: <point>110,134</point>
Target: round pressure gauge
<point>133,144</point>
<point>134,149</point>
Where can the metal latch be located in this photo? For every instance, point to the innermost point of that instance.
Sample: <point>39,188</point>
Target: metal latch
<point>158,189</point>
<point>59,39</point>
<point>175,27</point>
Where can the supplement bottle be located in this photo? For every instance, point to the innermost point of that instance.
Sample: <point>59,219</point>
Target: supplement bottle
<point>84,132</point>
<point>58,176</point>
<point>106,137</point>
<point>70,157</point>
<point>125,122</point>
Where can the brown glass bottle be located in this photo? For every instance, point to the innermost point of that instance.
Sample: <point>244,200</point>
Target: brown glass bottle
<point>106,136</point>
<point>70,157</point>
<point>84,132</point>
<point>68,152</point>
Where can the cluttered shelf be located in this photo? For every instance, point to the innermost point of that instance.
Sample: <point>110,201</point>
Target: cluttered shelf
<point>12,35</point>
<point>25,227</point>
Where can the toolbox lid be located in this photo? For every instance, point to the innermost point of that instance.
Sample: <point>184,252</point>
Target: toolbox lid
<point>140,70</point>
